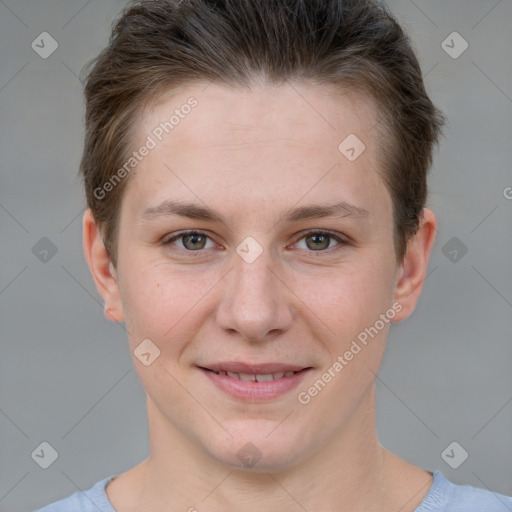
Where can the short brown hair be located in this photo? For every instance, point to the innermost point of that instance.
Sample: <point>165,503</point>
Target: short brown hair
<point>159,45</point>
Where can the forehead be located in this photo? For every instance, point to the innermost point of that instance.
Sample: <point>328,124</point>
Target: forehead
<point>238,144</point>
<point>229,114</point>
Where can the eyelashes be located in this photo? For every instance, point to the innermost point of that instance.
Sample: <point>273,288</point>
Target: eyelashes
<point>200,240</point>
<point>188,235</point>
<point>324,235</point>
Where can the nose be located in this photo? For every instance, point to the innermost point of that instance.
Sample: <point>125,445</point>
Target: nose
<point>256,303</point>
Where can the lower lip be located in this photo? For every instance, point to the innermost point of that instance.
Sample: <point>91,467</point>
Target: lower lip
<point>253,391</point>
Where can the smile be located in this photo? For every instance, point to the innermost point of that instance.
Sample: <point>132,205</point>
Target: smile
<point>257,383</point>
<point>259,377</point>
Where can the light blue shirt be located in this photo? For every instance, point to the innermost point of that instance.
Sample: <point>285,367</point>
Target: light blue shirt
<point>444,496</point>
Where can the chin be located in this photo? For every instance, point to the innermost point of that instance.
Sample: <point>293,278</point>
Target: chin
<point>258,453</point>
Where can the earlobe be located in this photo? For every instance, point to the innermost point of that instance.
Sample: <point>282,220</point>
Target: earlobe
<point>412,272</point>
<point>102,269</point>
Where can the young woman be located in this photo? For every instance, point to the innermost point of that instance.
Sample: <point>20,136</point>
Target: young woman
<point>255,173</point>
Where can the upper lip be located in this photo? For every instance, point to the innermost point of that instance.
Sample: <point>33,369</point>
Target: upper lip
<point>253,369</point>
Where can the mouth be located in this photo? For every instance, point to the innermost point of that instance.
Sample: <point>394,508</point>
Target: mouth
<point>257,377</point>
<point>255,383</point>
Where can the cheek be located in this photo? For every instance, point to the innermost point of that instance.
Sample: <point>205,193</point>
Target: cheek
<point>349,298</point>
<point>157,300</point>
<point>351,305</point>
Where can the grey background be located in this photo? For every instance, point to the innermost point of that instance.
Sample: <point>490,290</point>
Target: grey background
<point>66,372</point>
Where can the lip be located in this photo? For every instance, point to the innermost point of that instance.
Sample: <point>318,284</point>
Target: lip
<point>254,391</point>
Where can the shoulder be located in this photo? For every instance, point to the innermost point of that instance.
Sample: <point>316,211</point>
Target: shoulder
<point>92,500</point>
<point>445,496</point>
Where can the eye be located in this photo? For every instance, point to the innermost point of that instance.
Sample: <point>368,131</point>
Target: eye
<point>196,241</point>
<point>189,240</point>
<point>319,241</point>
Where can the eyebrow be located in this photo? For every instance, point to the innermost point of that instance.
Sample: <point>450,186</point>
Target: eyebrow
<point>195,211</point>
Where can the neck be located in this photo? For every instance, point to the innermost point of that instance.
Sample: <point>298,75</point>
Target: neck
<point>349,473</point>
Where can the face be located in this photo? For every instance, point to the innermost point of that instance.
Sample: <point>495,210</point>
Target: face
<point>271,281</point>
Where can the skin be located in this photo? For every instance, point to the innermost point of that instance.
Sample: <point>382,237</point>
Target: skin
<point>250,156</point>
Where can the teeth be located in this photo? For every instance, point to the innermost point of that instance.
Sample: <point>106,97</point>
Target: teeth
<point>247,376</point>
<point>266,377</point>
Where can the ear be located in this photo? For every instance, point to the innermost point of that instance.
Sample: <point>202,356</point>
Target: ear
<point>102,269</point>
<point>411,274</point>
